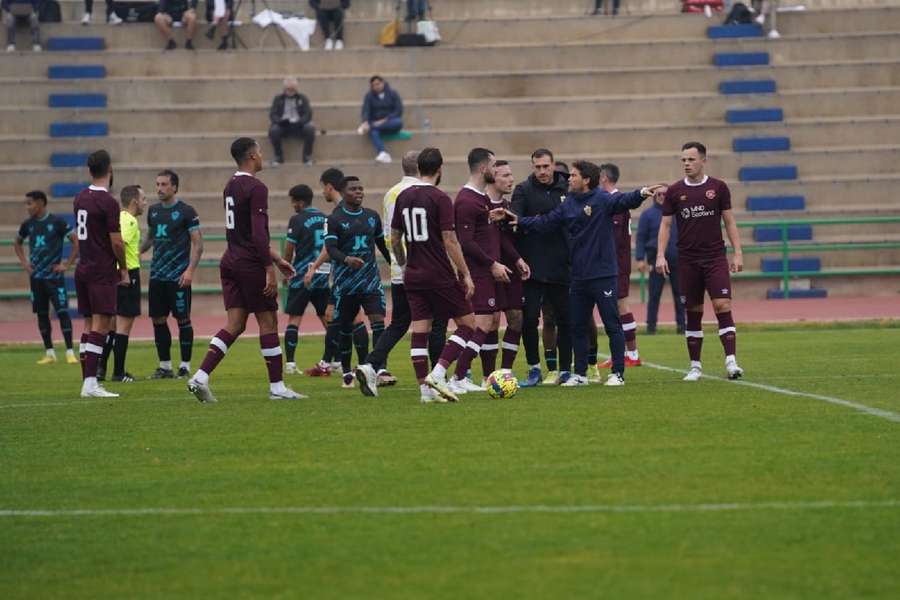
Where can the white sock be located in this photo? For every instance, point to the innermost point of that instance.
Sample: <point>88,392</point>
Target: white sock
<point>730,359</point>
<point>424,389</point>
<point>70,352</point>
<point>89,383</point>
<point>291,364</point>
<point>185,365</point>
<point>165,364</point>
<point>439,371</point>
<point>51,352</point>
<point>201,377</point>
<point>695,364</point>
<point>537,366</point>
<point>277,386</point>
<point>632,354</point>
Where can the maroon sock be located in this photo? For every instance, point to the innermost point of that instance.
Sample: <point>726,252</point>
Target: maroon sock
<point>694,334</point>
<point>489,353</point>
<point>270,346</point>
<point>727,332</point>
<point>84,339</point>
<point>418,350</point>
<point>629,327</point>
<point>455,345</point>
<point>510,347</point>
<point>93,350</point>
<point>473,347</point>
<point>218,346</point>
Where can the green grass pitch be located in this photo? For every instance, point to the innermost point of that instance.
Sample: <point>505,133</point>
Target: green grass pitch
<point>792,464</point>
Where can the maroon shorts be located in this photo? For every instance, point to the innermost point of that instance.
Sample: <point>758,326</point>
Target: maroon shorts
<point>624,281</point>
<point>95,298</point>
<point>442,303</point>
<point>485,300</point>
<point>706,275</point>
<point>511,295</point>
<point>243,288</point>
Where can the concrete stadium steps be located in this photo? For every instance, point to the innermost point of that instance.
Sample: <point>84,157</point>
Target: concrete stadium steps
<point>520,57</point>
<point>343,117</point>
<point>138,91</point>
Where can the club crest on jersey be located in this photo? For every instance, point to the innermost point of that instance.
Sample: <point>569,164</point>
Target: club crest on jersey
<point>175,215</point>
<point>710,194</point>
<point>685,213</point>
<point>491,302</point>
<point>587,210</point>
<point>371,221</point>
<point>50,228</point>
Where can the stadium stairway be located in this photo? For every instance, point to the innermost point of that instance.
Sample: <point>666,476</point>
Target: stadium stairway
<point>824,102</point>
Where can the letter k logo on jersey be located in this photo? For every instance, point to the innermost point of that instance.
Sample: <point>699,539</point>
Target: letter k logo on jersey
<point>40,241</point>
<point>162,230</point>
<point>359,243</point>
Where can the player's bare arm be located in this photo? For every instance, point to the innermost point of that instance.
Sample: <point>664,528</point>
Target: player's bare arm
<point>196,252</point>
<point>398,247</point>
<point>314,266</point>
<point>662,241</point>
<point>73,255</point>
<point>286,268</point>
<point>147,243</point>
<point>454,251</point>
<point>731,229</point>
<point>20,254</point>
<point>118,247</point>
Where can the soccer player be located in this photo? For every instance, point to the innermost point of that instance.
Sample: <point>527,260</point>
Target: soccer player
<point>173,231</point>
<point>586,216</point>
<point>609,176</point>
<point>352,235</point>
<point>424,218</point>
<point>305,239</point>
<point>97,275</point>
<point>46,233</point>
<point>128,300</point>
<point>700,204</point>
<point>247,270</point>
<point>510,295</point>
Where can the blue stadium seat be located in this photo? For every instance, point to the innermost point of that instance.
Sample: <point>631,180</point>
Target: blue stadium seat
<point>768,173</point>
<point>66,190</point>
<point>77,101</point>
<point>79,129</point>
<point>773,234</point>
<point>75,44</point>
<point>720,32</point>
<point>761,144</point>
<point>76,72</point>
<point>754,115</point>
<point>776,203</point>
<point>747,86</point>
<point>740,59</point>
<point>806,263</point>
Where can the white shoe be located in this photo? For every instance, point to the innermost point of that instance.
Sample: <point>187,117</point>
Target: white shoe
<point>760,19</point>
<point>97,392</point>
<point>339,45</point>
<point>552,378</point>
<point>11,48</point>
<point>693,375</point>
<point>86,19</point>
<point>707,11</point>
<point>290,368</point>
<point>200,391</point>
<point>383,157</point>
<point>733,370</point>
<point>367,379</point>
<point>456,386</point>
<point>441,387</point>
<point>576,381</point>
<point>774,35</point>
<point>614,379</point>
<point>113,19</point>
<point>428,396</point>
<point>329,44</point>
<point>335,366</point>
<point>471,386</point>
<point>37,48</point>
<point>285,393</point>
<point>361,130</point>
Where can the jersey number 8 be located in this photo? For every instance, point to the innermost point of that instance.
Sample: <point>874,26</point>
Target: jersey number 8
<point>81,224</point>
<point>416,224</point>
<point>229,213</point>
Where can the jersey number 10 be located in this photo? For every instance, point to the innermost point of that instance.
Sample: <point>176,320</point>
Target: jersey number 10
<point>416,224</point>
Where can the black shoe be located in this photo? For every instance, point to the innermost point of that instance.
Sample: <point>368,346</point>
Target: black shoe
<point>170,45</point>
<point>650,331</point>
<point>126,378</point>
<point>161,373</point>
<point>101,373</point>
<point>210,33</point>
<point>679,330</point>
<point>182,373</point>
<point>189,45</point>
<point>223,45</point>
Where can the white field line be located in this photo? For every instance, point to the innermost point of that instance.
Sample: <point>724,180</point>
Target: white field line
<point>869,410</point>
<point>413,510</point>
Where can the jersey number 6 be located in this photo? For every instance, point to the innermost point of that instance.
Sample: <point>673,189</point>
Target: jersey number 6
<point>229,213</point>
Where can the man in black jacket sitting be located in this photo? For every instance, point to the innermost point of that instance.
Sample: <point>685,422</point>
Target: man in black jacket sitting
<point>291,115</point>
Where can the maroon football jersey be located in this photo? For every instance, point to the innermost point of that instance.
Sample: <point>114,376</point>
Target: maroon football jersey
<point>479,238</point>
<point>697,209</point>
<point>622,235</point>
<point>423,213</point>
<point>96,216</point>
<point>246,222</point>
<point>509,256</point>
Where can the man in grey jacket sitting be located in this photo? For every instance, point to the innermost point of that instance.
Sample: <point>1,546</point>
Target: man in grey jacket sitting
<point>291,115</point>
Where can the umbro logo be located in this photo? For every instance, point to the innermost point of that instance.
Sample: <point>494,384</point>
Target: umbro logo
<point>345,225</point>
<point>724,290</point>
<point>607,294</point>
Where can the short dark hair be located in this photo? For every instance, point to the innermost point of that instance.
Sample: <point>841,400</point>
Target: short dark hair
<point>130,193</point>
<point>560,165</point>
<point>240,149</point>
<point>332,177</point>
<point>172,175</point>
<point>375,78</point>
<point>430,162</point>
<point>611,170</point>
<point>541,152</point>
<point>501,163</point>
<point>589,171</point>
<point>99,163</point>
<point>301,192</point>
<point>347,180</point>
<point>477,156</point>
<point>696,146</point>
<point>37,195</point>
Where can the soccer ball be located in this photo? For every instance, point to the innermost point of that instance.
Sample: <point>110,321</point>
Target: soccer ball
<point>501,384</point>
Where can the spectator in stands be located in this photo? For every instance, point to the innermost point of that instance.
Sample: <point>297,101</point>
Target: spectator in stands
<point>416,10</point>
<point>645,251</point>
<point>598,7</point>
<point>382,112</point>
<point>175,11</point>
<point>21,8</point>
<point>767,10</point>
<point>330,15</point>
<point>111,17</point>
<point>218,14</point>
<point>291,115</point>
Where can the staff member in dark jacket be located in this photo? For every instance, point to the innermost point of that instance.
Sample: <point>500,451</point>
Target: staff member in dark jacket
<point>586,218</point>
<point>645,253</point>
<point>382,112</point>
<point>291,115</point>
<point>547,253</point>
